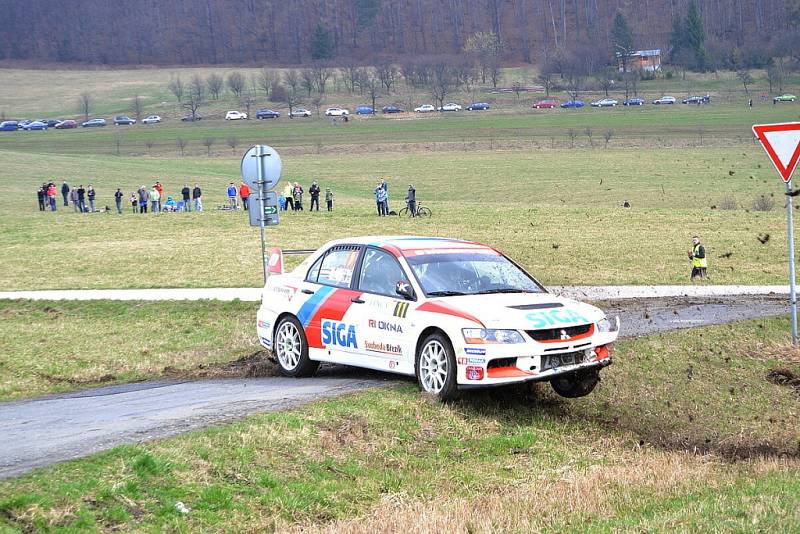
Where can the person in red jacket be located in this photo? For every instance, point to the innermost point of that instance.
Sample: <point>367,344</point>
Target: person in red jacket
<point>51,195</point>
<point>160,188</point>
<point>244,192</point>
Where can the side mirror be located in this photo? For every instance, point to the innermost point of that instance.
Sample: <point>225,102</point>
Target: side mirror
<point>405,290</point>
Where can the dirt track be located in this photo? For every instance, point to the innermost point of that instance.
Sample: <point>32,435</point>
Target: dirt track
<point>51,429</point>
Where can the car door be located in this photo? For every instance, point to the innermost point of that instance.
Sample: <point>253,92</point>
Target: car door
<point>326,314</point>
<point>383,315</point>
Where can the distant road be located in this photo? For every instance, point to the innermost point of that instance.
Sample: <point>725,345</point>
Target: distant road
<point>51,429</point>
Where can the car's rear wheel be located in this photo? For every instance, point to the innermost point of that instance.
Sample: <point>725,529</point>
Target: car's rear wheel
<point>436,367</point>
<point>574,385</point>
<point>291,349</point>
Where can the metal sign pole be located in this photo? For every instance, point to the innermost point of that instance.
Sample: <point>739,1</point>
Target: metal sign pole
<point>261,193</point>
<point>790,231</point>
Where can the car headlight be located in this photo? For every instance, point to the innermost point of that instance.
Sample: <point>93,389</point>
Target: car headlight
<point>605,325</point>
<point>489,335</point>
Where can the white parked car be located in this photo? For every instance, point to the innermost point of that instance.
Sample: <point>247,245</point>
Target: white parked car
<point>425,108</point>
<point>664,100</point>
<point>235,115</point>
<point>300,112</point>
<point>336,112</point>
<point>604,103</point>
<point>450,107</point>
<point>455,314</point>
<point>151,119</point>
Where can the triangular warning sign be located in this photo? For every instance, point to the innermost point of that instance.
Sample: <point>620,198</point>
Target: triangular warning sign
<point>782,143</point>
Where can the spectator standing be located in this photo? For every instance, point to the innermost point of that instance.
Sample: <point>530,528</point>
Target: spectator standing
<point>186,193</point>
<point>380,200</point>
<point>698,258</point>
<point>155,199</point>
<point>41,194</point>
<point>51,196</point>
<point>329,198</point>
<point>314,191</point>
<point>288,192</point>
<point>411,199</point>
<point>118,200</point>
<point>134,202</point>
<point>244,193</point>
<point>232,196</point>
<point>298,197</point>
<point>385,186</point>
<point>65,193</point>
<point>144,197</point>
<point>196,194</point>
<point>161,196</point>
<point>74,197</point>
<point>82,198</point>
<point>91,194</point>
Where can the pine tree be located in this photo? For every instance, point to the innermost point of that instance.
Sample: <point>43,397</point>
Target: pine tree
<point>677,37</point>
<point>695,36</point>
<point>321,45</point>
<point>622,39</point>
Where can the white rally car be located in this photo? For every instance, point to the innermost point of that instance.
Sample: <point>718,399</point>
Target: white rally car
<point>455,314</point>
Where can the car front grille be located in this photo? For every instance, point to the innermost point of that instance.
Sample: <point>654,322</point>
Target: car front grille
<point>552,361</point>
<point>561,334</point>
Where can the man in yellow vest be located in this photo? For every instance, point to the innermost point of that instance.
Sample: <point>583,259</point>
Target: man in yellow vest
<point>698,258</point>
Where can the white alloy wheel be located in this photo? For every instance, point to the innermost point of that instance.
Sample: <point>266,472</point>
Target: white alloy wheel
<point>433,366</point>
<point>288,346</point>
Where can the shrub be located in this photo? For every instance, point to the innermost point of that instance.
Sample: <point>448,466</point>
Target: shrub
<point>763,203</point>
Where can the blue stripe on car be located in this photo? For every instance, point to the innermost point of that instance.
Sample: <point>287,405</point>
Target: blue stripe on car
<point>310,307</point>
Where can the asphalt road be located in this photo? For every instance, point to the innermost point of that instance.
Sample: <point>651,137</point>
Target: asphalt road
<point>47,430</point>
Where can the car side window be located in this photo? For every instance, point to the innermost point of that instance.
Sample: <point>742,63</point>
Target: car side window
<point>380,273</point>
<point>313,272</point>
<point>337,267</point>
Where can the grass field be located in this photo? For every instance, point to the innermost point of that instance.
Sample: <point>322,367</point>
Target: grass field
<point>650,450</point>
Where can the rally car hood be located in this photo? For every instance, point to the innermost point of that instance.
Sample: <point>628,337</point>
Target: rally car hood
<point>524,311</point>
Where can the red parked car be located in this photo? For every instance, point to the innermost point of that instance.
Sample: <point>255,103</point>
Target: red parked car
<point>69,123</point>
<point>547,103</point>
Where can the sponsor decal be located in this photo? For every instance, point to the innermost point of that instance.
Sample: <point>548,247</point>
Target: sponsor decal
<point>474,372</point>
<point>555,317</point>
<point>263,324</point>
<point>266,342</point>
<point>475,352</point>
<point>286,292</point>
<point>383,325</point>
<point>339,334</point>
<point>465,361</point>
<point>393,364</point>
<point>400,309</point>
<point>383,348</point>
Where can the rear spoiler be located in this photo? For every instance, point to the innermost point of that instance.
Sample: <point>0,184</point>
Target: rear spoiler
<point>275,265</point>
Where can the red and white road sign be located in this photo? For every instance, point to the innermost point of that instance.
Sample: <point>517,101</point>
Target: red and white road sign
<point>782,143</point>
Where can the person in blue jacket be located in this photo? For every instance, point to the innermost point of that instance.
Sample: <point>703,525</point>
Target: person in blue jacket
<point>233,194</point>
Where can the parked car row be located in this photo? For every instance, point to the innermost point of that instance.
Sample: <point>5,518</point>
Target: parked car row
<point>549,103</point>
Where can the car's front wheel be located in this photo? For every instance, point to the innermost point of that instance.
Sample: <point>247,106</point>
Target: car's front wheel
<point>291,349</point>
<point>436,367</point>
<point>578,384</point>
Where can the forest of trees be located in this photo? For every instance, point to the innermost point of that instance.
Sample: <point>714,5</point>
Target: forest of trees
<point>736,33</point>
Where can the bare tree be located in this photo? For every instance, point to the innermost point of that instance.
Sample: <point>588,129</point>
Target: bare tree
<point>149,144</point>
<point>291,78</point>
<point>495,72</point>
<point>266,79</point>
<point>321,76</point>
<point>605,81</point>
<point>208,142</point>
<point>181,144</point>
<point>137,107</point>
<point>545,79</point>
<point>291,100</point>
<point>215,85</point>
<point>277,93</point>
<point>307,80</point>
<point>572,134</point>
<point>387,74</point>
<point>236,83</point>
<point>233,142</point>
<point>372,85</point>
<point>517,86</point>
<point>607,135</point>
<point>175,87</point>
<point>745,77</point>
<point>247,100</point>
<point>442,82</point>
<point>85,102</point>
<point>350,77</point>
<point>588,131</point>
<point>195,97</point>
<point>118,141</point>
<point>317,103</point>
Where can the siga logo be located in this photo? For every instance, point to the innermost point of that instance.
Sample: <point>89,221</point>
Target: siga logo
<point>343,335</point>
<point>555,318</point>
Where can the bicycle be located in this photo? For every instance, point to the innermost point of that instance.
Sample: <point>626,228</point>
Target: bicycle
<point>422,211</point>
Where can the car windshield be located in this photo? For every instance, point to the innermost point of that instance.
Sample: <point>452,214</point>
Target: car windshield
<point>479,272</point>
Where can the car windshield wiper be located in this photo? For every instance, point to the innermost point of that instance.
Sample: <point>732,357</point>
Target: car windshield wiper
<point>503,290</point>
<point>445,293</point>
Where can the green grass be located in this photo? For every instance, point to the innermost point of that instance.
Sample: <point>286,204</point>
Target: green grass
<point>556,211</point>
<point>48,347</point>
<point>511,461</point>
